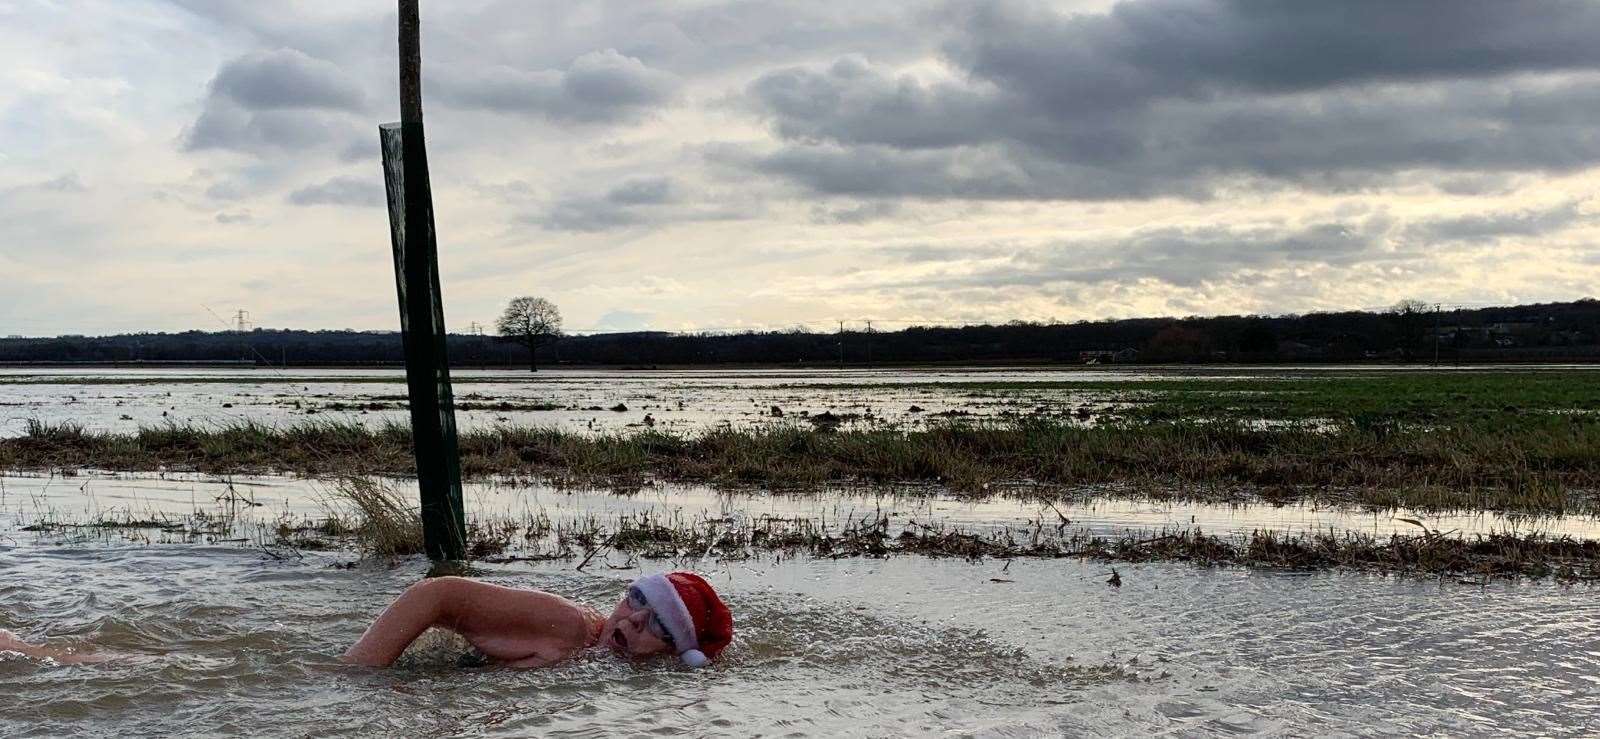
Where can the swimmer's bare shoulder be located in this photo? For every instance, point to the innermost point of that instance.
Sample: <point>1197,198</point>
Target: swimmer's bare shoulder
<point>513,626</point>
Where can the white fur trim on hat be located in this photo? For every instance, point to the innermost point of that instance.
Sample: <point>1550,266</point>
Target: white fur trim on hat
<point>662,597</point>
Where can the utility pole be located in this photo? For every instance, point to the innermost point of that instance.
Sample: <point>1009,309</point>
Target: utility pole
<point>869,342</point>
<point>1436,308</point>
<point>416,267</point>
<point>841,345</point>
<point>241,321</point>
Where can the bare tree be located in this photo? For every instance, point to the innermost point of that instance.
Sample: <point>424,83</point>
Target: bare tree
<point>1411,314</point>
<point>531,322</point>
<point>1410,306</point>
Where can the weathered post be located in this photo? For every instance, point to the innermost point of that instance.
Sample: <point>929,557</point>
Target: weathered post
<point>416,272</point>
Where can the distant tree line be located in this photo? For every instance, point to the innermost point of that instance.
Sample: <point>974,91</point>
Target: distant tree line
<point>1409,332</point>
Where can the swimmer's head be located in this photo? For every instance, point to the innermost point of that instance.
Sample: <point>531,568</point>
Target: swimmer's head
<point>674,613</point>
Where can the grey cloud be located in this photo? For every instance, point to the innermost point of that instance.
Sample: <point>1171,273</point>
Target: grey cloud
<point>712,36</point>
<point>598,87</point>
<point>227,190</point>
<point>642,191</point>
<point>269,102</point>
<point>320,29</point>
<point>1177,97</point>
<point>286,79</point>
<point>1180,256</point>
<point>861,212</point>
<point>1163,49</point>
<point>639,202</point>
<point>223,126</point>
<point>232,218</point>
<point>356,192</point>
<point>854,102</point>
<point>1474,184</point>
<point>1491,226</point>
<point>1191,257</point>
<point>361,150</point>
<point>930,253</point>
<point>68,182</point>
<point>991,171</point>
<point>586,215</point>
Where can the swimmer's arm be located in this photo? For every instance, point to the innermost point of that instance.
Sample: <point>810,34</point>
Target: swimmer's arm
<point>10,643</point>
<point>507,624</point>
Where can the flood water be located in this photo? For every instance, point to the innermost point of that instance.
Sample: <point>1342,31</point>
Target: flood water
<point>216,635</point>
<point>254,504</point>
<point>124,399</point>
<point>223,638</point>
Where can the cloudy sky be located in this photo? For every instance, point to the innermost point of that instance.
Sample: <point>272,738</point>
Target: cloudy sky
<point>718,165</point>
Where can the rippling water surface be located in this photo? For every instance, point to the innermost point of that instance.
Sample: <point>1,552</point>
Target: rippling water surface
<point>227,640</point>
<point>215,636</point>
<point>224,638</point>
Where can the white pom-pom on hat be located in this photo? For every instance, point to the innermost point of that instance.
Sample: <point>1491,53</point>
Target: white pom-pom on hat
<point>694,658</point>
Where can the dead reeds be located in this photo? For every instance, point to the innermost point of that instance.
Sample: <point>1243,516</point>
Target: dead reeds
<point>385,527</point>
<point>1546,464</point>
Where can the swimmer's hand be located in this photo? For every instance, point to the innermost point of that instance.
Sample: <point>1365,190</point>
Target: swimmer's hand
<point>514,627</point>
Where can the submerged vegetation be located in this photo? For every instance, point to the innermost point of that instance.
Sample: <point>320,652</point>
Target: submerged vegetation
<point>1525,440</point>
<point>1393,395</point>
<point>1536,462</point>
<point>376,520</point>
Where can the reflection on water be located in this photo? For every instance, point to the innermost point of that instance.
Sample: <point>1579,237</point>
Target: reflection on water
<point>226,640</point>
<point>126,399</point>
<point>251,503</point>
<point>123,399</point>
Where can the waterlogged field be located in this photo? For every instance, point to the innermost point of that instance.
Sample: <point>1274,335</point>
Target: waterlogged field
<point>224,627</point>
<point>568,399</point>
<point>1521,439</point>
<point>1354,551</point>
<point>692,400</point>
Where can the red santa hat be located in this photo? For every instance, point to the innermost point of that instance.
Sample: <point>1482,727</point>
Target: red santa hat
<point>687,605</point>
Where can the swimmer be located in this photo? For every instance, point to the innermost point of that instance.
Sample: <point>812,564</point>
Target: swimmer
<point>675,613</point>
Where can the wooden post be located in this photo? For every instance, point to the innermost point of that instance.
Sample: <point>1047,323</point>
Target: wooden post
<point>416,271</point>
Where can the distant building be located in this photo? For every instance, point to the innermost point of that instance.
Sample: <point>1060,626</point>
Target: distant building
<point>1513,328</point>
<point>1106,356</point>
